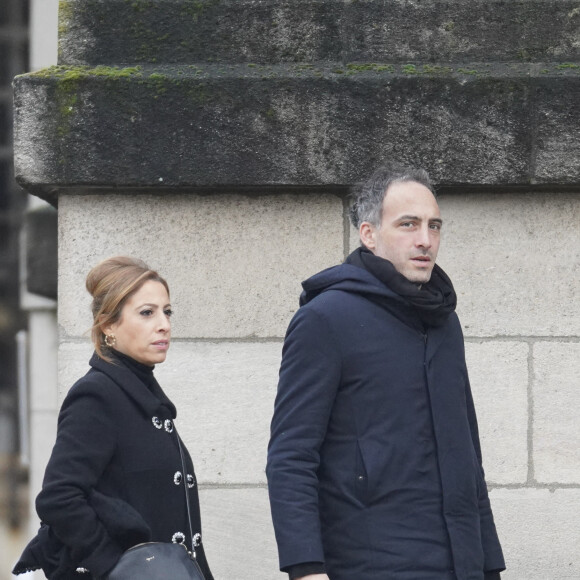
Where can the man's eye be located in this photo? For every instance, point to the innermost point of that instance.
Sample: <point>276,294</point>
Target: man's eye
<point>436,227</point>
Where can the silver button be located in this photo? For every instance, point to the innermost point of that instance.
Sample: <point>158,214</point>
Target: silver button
<point>169,425</point>
<point>177,478</point>
<point>178,538</point>
<point>196,539</point>
<point>190,481</point>
<point>157,422</point>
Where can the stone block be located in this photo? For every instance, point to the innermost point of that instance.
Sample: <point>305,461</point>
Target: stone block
<point>499,381</point>
<point>271,31</point>
<point>353,238</point>
<point>224,393</point>
<point>73,363</point>
<point>556,396</point>
<point>539,532</point>
<point>234,263</point>
<point>512,274</point>
<point>558,142</point>
<point>238,535</point>
<point>209,127</point>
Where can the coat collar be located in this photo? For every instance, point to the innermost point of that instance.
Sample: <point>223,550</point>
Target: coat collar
<point>133,387</point>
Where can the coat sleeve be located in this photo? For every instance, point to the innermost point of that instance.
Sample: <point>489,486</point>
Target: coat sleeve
<point>309,379</point>
<point>85,443</point>
<point>493,556</point>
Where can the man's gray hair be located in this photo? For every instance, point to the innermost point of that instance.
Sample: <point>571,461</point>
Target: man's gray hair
<point>368,198</point>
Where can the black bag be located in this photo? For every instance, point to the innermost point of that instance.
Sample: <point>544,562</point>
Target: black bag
<point>156,561</point>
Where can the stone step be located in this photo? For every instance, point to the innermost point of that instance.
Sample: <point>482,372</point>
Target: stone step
<point>111,32</point>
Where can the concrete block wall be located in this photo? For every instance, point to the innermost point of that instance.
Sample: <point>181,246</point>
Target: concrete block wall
<point>234,264</point>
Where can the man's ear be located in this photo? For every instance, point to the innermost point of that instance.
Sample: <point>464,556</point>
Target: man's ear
<point>367,233</point>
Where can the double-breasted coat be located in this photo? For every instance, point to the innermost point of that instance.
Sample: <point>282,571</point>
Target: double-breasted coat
<point>115,476</point>
<point>374,463</point>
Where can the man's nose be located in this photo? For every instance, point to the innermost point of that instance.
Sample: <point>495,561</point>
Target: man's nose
<point>423,239</point>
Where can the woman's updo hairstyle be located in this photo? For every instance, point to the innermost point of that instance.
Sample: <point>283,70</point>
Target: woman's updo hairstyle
<point>110,283</point>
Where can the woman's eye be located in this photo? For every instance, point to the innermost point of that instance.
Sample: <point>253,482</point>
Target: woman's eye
<point>168,312</point>
<point>147,312</point>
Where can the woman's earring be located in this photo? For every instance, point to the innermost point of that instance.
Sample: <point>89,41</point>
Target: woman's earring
<point>110,340</point>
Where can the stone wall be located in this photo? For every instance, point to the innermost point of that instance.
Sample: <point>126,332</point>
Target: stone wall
<point>217,139</point>
<point>235,262</point>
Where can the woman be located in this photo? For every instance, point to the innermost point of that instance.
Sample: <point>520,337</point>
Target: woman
<point>115,477</point>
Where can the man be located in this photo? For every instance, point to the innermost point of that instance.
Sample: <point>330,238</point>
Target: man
<point>374,463</point>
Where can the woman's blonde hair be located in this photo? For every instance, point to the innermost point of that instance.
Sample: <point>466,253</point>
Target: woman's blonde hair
<point>110,283</point>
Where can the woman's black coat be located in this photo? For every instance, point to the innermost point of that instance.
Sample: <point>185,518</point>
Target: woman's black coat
<point>114,478</point>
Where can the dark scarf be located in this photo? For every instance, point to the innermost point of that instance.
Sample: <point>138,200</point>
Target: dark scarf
<point>433,301</point>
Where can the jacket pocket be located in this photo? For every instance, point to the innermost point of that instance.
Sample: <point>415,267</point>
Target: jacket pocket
<point>361,477</point>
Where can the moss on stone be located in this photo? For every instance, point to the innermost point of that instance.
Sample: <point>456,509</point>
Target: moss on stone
<point>198,94</point>
<point>430,69</point>
<point>75,73</point>
<point>65,14</point>
<point>568,66</point>
<point>354,68</point>
<point>195,8</point>
<point>67,87</point>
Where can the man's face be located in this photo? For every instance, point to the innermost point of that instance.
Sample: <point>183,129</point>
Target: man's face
<point>410,230</point>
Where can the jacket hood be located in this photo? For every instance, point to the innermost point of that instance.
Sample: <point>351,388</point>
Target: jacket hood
<point>347,278</point>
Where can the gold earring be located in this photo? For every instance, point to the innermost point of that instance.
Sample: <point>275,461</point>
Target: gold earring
<point>110,340</point>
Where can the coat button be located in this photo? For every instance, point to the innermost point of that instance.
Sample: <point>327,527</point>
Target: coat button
<point>157,422</point>
<point>361,478</point>
<point>177,478</point>
<point>178,538</point>
<point>196,539</point>
<point>169,425</point>
<point>190,481</point>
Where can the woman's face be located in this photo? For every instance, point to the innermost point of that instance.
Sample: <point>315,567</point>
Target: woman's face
<point>143,331</point>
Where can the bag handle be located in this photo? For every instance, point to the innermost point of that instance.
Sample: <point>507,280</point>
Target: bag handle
<point>184,480</point>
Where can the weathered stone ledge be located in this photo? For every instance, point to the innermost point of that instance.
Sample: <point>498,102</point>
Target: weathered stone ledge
<point>268,31</point>
<point>298,125</point>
